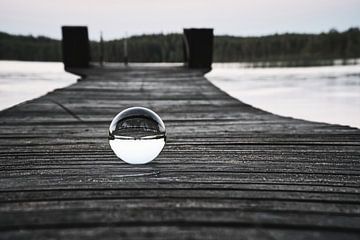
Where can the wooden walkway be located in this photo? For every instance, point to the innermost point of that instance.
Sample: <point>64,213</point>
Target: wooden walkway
<point>228,171</point>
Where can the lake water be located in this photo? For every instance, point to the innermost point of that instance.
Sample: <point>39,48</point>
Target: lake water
<point>21,81</point>
<point>323,94</point>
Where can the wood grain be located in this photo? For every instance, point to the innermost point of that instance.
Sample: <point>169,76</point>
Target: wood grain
<point>228,171</point>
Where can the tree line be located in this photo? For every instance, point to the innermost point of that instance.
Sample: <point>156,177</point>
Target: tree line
<point>29,48</point>
<point>169,47</point>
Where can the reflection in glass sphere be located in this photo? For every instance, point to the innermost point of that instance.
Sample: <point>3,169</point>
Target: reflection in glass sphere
<point>137,135</point>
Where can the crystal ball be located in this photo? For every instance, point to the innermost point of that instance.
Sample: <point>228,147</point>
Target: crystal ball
<point>137,135</point>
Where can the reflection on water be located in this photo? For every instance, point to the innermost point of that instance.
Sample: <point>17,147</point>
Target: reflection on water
<point>325,94</point>
<point>295,63</point>
<point>21,81</point>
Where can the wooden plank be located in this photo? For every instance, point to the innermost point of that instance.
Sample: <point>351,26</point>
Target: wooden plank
<point>228,170</point>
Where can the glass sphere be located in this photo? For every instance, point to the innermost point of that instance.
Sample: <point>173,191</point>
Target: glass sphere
<point>137,135</point>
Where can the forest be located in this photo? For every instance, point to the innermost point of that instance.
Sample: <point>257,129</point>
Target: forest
<point>169,47</point>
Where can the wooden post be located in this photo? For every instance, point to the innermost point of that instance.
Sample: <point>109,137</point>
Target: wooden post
<point>126,58</point>
<point>198,44</point>
<point>75,47</point>
<point>101,60</point>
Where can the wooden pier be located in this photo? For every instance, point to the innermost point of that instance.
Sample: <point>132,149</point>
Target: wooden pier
<point>228,170</point>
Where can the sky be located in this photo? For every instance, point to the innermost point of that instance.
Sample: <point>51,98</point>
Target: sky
<point>118,18</point>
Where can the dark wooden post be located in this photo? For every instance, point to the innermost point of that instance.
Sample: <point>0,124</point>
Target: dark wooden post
<point>101,57</point>
<point>75,47</point>
<point>198,44</point>
<point>126,58</point>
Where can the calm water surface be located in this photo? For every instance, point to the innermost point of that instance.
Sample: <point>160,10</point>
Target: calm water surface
<point>324,94</point>
<point>21,81</point>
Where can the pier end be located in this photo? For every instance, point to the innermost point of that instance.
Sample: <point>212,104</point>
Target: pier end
<point>198,47</point>
<point>75,47</point>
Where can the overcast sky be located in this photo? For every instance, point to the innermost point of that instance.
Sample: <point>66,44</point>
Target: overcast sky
<point>233,17</point>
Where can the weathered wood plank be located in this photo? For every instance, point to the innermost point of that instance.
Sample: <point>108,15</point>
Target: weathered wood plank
<point>228,170</point>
